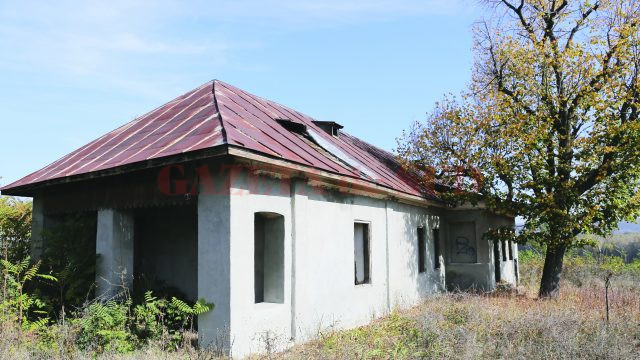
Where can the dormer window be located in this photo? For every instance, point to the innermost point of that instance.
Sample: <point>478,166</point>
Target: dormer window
<point>330,127</point>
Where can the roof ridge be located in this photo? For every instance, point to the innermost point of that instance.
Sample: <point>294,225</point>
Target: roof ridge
<point>223,131</point>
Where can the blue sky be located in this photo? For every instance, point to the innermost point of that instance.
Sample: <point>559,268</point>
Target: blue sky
<point>71,71</point>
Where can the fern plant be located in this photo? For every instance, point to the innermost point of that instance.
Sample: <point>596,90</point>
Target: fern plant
<point>191,311</point>
<point>105,327</point>
<point>17,304</point>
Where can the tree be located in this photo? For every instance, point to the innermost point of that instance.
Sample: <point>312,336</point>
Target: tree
<point>550,121</point>
<point>15,228</point>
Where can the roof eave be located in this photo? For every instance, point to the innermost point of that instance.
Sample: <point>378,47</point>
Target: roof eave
<point>358,185</point>
<point>30,189</point>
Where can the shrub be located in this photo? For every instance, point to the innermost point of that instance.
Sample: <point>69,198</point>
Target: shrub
<point>123,326</point>
<point>18,305</point>
<point>15,228</point>
<point>104,327</point>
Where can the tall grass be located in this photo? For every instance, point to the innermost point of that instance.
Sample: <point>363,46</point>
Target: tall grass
<point>510,324</point>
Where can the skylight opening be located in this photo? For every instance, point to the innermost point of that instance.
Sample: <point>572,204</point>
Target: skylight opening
<point>337,152</point>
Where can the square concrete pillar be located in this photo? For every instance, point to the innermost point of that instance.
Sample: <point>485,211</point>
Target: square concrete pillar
<point>214,275</point>
<point>114,247</point>
<point>37,227</point>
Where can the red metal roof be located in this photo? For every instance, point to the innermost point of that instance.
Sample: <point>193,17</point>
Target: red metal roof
<point>216,114</point>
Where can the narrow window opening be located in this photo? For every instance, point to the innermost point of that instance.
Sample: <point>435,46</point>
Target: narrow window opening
<point>496,260</point>
<point>436,248</point>
<point>504,250</point>
<point>362,250</point>
<point>510,250</point>
<point>269,258</point>
<point>421,251</point>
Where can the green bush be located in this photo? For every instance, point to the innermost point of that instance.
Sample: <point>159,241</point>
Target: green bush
<point>18,305</point>
<point>123,326</point>
<point>104,327</point>
<point>70,255</point>
<point>15,228</point>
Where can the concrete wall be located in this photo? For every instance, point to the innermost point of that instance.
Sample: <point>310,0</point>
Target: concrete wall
<point>214,268</point>
<point>326,294</point>
<point>114,247</point>
<point>317,253</point>
<point>253,324</point>
<point>407,285</point>
<point>37,228</point>
<point>465,231</point>
<point>320,291</point>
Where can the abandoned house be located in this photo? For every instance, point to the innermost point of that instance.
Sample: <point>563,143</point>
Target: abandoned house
<point>287,224</point>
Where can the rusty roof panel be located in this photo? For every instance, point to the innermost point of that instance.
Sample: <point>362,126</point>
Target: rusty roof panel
<point>217,113</point>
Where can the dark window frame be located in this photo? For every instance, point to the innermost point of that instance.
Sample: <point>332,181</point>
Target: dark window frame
<point>366,253</point>
<point>435,232</point>
<point>422,250</point>
<point>504,250</point>
<point>510,245</point>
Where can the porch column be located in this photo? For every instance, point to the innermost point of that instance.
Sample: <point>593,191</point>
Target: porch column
<point>114,247</point>
<point>37,227</point>
<point>214,275</point>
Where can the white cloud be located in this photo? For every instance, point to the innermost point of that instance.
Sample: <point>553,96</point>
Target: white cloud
<point>114,41</point>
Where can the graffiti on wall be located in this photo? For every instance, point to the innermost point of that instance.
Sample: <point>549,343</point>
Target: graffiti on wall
<point>463,242</point>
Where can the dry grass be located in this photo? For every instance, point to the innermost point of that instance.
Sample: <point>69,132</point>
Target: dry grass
<point>507,325</point>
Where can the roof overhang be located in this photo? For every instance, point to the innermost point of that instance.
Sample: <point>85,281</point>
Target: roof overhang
<point>349,184</point>
<point>314,176</point>
<point>30,189</point>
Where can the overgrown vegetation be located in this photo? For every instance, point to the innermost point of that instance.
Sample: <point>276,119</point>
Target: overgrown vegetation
<point>47,308</point>
<point>47,311</point>
<point>508,324</point>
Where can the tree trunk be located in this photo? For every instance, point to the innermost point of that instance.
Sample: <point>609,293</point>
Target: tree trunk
<point>550,282</point>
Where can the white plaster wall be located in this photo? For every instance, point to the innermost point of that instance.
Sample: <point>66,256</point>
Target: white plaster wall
<point>407,285</point>
<point>326,294</point>
<point>214,275</point>
<point>320,292</point>
<point>252,325</point>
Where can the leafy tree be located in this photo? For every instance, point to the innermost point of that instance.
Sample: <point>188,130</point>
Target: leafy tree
<point>70,255</point>
<point>15,228</point>
<point>550,121</point>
